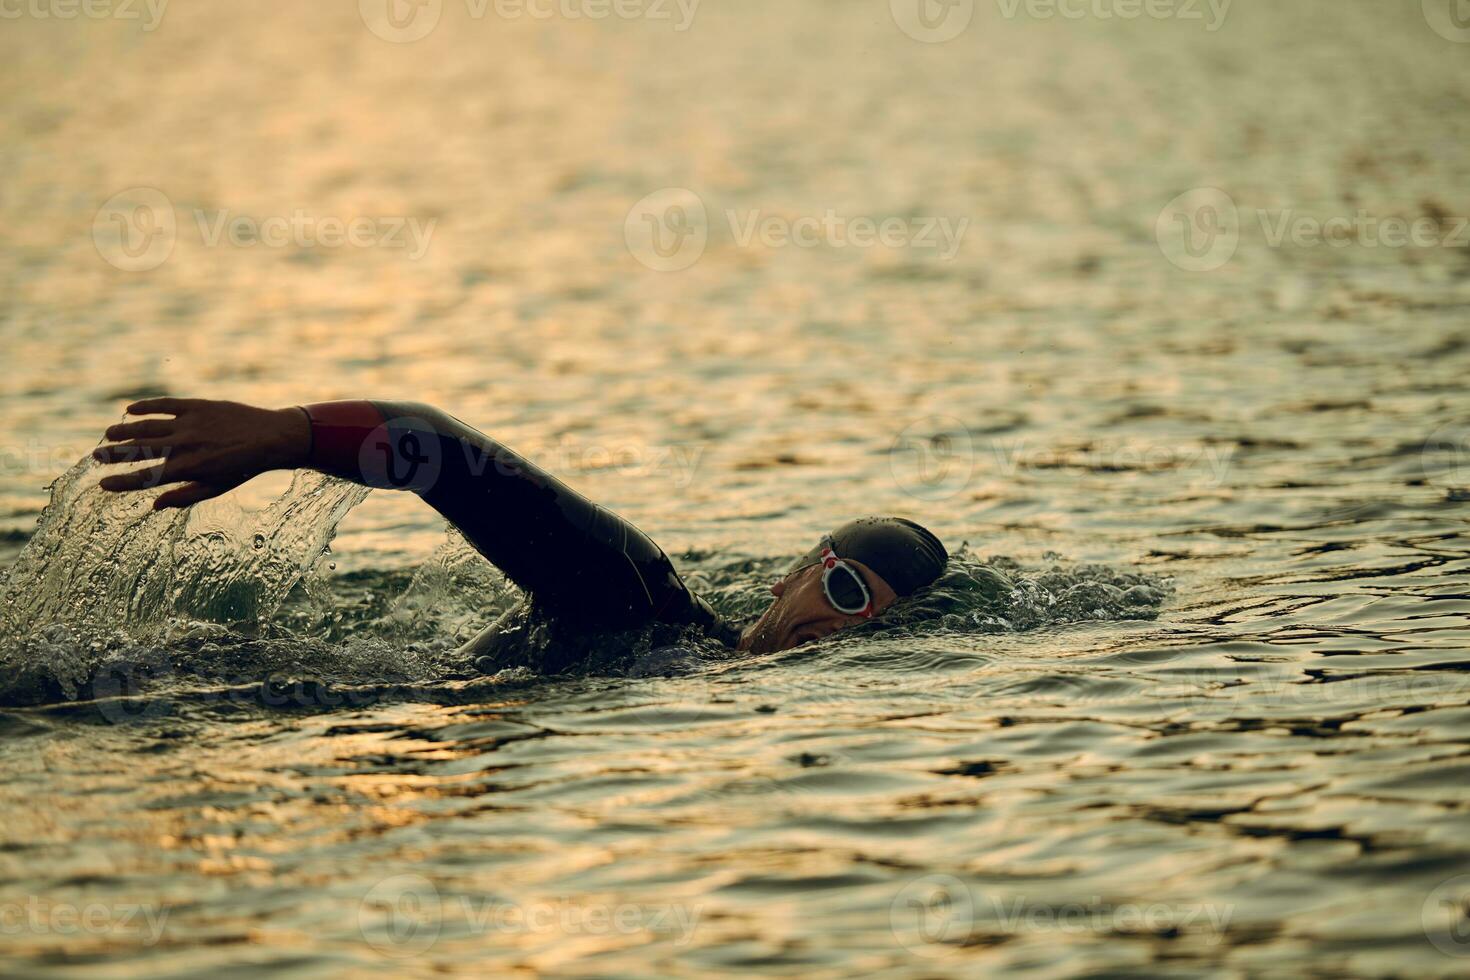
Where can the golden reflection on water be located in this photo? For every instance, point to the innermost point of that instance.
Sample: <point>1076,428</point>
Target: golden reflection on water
<point>1294,722</point>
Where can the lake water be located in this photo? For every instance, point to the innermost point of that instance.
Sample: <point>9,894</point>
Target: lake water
<point>1160,322</point>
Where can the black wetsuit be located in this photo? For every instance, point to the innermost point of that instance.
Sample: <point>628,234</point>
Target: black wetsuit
<point>585,569</point>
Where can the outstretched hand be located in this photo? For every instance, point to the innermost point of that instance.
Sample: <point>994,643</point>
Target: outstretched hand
<point>210,447</point>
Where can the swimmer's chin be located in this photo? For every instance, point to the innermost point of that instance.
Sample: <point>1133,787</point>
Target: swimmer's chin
<point>758,638</point>
<point>755,640</point>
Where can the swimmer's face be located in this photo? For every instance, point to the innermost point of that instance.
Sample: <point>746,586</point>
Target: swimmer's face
<point>801,612</point>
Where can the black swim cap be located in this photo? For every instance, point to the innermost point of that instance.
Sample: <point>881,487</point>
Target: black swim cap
<point>907,555</point>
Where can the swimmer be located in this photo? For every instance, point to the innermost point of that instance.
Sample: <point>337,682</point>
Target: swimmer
<point>581,566</point>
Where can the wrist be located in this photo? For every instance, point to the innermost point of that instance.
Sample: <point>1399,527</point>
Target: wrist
<point>289,441</point>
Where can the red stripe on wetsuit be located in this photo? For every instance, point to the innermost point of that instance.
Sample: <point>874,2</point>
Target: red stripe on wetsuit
<point>339,431</point>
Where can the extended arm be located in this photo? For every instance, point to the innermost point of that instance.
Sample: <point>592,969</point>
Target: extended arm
<point>577,560</point>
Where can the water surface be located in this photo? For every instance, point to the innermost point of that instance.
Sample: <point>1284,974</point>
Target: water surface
<point>246,752</point>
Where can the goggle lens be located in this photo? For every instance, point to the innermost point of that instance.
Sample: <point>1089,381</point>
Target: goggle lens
<point>846,590</point>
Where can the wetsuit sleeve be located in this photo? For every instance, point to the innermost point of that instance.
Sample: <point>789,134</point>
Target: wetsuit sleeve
<point>577,561</point>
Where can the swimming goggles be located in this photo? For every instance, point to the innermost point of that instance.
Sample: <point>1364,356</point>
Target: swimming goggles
<point>842,583</point>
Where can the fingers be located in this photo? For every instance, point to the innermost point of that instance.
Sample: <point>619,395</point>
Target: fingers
<point>144,429</point>
<point>162,406</point>
<point>151,476</point>
<point>142,439</point>
<point>181,496</point>
<point>189,493</point>
<point>133,452</point>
